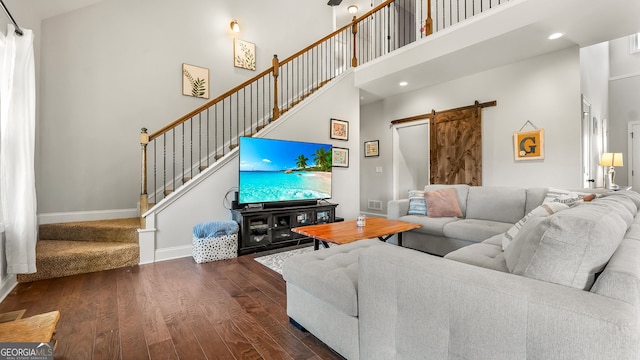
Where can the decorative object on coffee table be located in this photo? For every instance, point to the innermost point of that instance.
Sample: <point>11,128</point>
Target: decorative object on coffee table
<point>339,129</point>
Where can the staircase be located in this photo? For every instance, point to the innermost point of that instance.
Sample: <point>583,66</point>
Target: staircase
<point>81,247</point>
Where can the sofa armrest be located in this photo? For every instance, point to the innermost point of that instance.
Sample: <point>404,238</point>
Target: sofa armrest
<point>397,208</point>
<point>414,305</point>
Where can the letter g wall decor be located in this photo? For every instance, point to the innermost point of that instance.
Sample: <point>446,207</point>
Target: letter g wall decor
<point>528,145</point>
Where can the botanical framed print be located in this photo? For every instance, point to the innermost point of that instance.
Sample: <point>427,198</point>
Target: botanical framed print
<point>244,54</point>
<point>339,129</point>
<point>340,157</point>
<point>195,81</point>
<point>528,145</point>
<point>371,148</point>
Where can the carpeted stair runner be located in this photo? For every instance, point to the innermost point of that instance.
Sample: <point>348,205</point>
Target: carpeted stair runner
<point>81,247</point>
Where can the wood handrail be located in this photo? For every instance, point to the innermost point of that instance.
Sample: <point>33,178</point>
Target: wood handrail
<point>208,104</point>
<point>223,96</point>
<point>344,28</point>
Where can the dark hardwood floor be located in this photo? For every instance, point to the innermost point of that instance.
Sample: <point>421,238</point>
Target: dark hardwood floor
<point>231,309</point>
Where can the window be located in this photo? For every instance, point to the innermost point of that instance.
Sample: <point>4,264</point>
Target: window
<point>634,43</point>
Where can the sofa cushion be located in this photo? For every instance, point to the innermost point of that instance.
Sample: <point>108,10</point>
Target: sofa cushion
<point>535,197</point>
<point>417,204</point>
<point>330,274</point>
<point>541,211</point>
<point>487,254</point>
<point>474,229</point>
<point>496,203</point>
<point>431,226</point>
<point>567,248</point>
<point>442,203</point>
<point>621,278</point>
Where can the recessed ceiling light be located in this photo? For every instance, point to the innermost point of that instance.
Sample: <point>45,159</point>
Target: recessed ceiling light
<point>555,36</point>
<point>403,83</point>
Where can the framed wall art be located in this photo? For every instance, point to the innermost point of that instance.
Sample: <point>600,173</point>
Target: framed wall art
<point>528,145</point>
<point>244,54</point>
<point>195,81</point>
<point>340,157</point>
<point>371,148</point>
<point>339,129</point>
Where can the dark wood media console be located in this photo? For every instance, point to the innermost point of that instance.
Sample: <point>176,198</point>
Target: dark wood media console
<point>270,228</point>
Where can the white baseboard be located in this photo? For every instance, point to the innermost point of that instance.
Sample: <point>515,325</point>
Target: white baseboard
<point>7,286</point>
<point>62,217</point>
<point>173,253</point>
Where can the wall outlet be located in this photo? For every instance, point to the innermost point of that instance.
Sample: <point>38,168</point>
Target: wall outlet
<point>379,169</point>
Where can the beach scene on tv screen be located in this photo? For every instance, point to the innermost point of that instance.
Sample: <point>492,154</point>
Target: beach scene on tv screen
<point>280,170</point>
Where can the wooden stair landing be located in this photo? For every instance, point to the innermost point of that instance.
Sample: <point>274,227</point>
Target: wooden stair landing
<point>82,247</point>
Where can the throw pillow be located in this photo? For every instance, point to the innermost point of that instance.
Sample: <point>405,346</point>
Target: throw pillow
<point>541,211</point>
<point>569,248</point>
<point>417,204</point>
<point>442,203</point>
<point>565,196</point>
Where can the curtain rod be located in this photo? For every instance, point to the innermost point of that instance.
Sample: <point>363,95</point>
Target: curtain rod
<point>6,11</point>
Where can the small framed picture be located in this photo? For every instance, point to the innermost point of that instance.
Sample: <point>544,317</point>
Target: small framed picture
<point>339,129</point>
<point>528,145</point>
<point>340,157</point>
<point>195,81</point>
<point>244,54</point>
<point>371,148</point>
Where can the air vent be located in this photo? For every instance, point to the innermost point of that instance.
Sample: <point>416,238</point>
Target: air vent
<point>375,205</point>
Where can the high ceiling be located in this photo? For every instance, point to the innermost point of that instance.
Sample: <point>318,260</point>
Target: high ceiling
<point>514,31</point>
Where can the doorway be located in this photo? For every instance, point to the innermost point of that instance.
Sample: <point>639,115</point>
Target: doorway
<point>410,157</point>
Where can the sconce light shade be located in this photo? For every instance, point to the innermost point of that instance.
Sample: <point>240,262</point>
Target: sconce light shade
<point>234,26</point>
<point>352,9</point>
<point>611,159</point>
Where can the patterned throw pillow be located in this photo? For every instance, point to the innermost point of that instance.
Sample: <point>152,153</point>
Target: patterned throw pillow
<point>417,204</point>
<point>543,210</point>
<point>564,196</point>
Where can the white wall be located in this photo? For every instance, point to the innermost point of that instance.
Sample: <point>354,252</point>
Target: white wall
<point>309,122</point>
<point>624,87</point>
<point>114,67</point>
<point>544,90</point>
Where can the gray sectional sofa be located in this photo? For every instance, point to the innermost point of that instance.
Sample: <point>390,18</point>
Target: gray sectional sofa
<point>566,287</point>
<point>486,211</point>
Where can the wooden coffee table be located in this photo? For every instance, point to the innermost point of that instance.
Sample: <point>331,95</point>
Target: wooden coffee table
<point>348,231</point>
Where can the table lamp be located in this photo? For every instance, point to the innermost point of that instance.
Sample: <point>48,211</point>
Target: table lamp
<point>611,160</point>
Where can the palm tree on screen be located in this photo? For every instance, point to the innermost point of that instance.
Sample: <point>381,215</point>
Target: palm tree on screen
<point>301,162</point>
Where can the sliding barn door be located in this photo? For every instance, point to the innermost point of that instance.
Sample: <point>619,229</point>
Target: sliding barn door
<point>456,147</point>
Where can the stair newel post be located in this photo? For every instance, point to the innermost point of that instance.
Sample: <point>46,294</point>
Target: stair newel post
<point>276,70</point>
<point>144,199</point>
<point>428,23</point>
<point>354,31</point>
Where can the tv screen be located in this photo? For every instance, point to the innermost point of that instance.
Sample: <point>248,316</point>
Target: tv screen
<point>283,170</point>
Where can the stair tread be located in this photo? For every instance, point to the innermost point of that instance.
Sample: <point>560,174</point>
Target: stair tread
<point>59,258</point>
<point>117,230</point>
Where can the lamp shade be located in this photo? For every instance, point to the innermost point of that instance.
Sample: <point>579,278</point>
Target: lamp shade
<point>611,159</point>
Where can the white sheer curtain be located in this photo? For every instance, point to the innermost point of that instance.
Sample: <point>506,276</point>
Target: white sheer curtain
<point>17,150</point>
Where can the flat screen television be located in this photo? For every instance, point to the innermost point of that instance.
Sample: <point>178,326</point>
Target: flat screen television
<point>277,171</point>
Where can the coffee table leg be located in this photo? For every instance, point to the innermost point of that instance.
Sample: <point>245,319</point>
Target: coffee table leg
<point>316,244</point>
<point>400,239</point>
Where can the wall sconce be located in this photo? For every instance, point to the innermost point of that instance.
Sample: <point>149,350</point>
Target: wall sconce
<point>234,26</point>
<point>611,160</point>
<point>352,9</point>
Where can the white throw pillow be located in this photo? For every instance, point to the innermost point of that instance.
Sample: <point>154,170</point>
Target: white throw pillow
<point>563,196</point>
<point>543,210</point>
